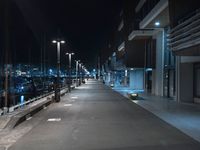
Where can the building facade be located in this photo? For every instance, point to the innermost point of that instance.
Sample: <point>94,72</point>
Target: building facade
<point>184,42</point>
<point>155,48</point>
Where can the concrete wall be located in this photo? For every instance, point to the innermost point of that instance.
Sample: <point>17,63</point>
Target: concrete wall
<point>157,74</point>
<point>190,59</point>
<point>186,82</point>
<point>137,79</point>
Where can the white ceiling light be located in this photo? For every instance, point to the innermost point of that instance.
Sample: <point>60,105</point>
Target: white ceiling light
<point>157,23</point>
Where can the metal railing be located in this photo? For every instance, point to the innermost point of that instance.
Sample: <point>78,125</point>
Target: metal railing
<point>21,105</point>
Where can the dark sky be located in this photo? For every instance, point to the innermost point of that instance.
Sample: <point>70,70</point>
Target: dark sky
<point>84,24</point>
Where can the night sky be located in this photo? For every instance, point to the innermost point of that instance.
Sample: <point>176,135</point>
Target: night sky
<point>84,24</point>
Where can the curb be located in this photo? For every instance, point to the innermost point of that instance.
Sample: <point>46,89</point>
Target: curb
<point>24,115</point>
<point>28,112</point>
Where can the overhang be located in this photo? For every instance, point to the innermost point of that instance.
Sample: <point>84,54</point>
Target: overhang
<point>140,34</point>
<point>160,14</point>
<point>121,46</point>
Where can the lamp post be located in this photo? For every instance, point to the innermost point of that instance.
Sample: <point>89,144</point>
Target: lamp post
<point>57,86</point>
<point>69,80</point>
<point>80,66</point>
<point>77,61</point>
<point>83,74</point>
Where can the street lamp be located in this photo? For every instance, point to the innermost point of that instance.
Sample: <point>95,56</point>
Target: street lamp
<point>80,66</point>
<point>69,80</point>
<point>77,61</point>
<point>57,86</point>
<point>82,73</point>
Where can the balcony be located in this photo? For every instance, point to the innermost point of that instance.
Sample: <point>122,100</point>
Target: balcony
<point>186,35</point>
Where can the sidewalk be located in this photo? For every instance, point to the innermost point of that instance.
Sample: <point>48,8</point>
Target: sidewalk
<point>185,117</point>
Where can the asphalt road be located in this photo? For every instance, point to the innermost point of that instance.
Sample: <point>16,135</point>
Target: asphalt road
<point>93,117</point>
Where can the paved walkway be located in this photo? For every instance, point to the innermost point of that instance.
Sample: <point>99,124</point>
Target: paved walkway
<point>94,117</point>
<point>184,116</point>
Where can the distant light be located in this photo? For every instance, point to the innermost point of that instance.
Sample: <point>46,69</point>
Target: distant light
<point>157,23</point>
<point>112,85</point>
<point>50,70</point>
<point>149,69</point>
<point>132,68</point>
<point>134,94</point>
<point>63,42</point>
<point>54,41</point>
<point>54,119</point>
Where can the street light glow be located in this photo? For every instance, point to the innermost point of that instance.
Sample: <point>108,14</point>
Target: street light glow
<point>63,42</point>
<point>69,53</point>
<point>157,23</point>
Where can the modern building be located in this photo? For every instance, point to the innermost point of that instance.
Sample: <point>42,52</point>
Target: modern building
<point>184,42</point>
<point>154,23</point>
<point>155,48</point>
